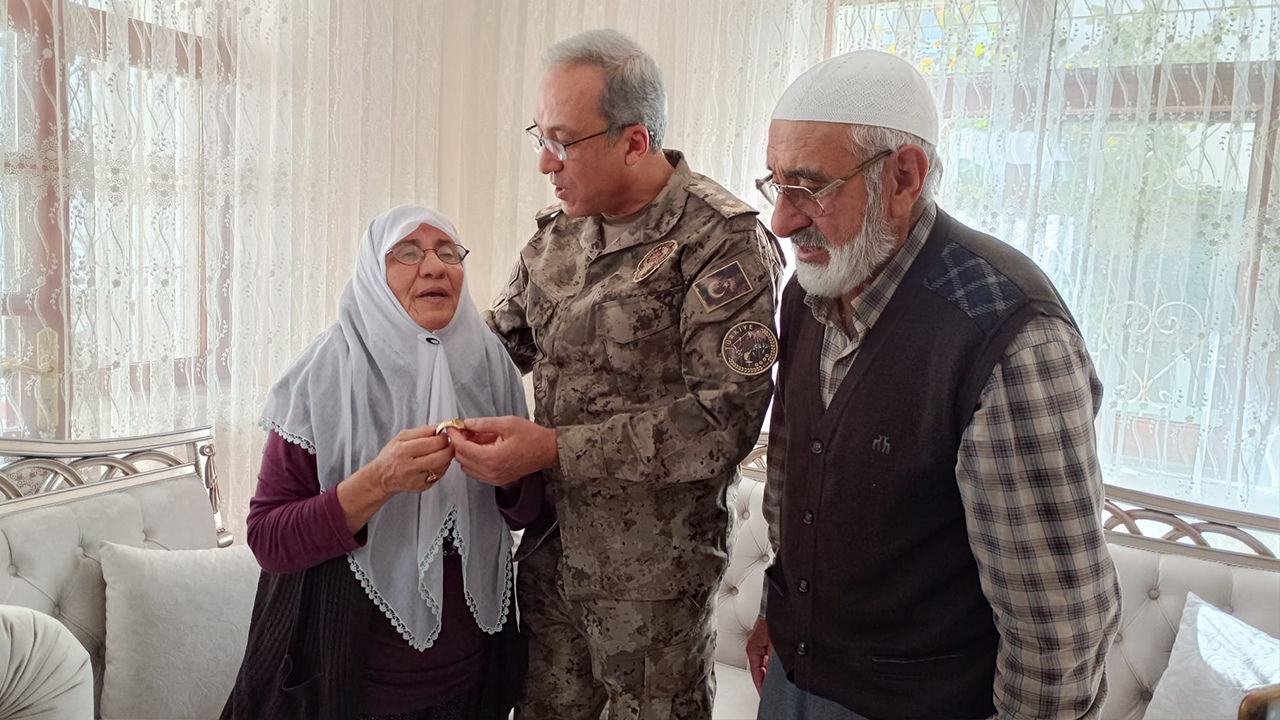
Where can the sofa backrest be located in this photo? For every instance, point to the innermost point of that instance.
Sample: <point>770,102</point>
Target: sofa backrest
<point>1155,576</point>
<point>1154,581</point>
<point>738,599</point>
<point>50,533</point>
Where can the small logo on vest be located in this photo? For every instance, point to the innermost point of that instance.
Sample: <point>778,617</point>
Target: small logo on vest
<point>881,444</point>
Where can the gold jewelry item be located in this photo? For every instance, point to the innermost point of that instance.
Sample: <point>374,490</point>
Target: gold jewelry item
<point>454,423</point>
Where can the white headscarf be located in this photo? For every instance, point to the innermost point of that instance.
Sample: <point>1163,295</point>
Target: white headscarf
<point>376,372</point>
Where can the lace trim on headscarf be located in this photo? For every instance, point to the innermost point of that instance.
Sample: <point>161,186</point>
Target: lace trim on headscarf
<point>272,426</point>
<point>391,614</point>
<point>448,530</point>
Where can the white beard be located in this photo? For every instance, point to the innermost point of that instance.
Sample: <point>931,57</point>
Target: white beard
<point>850,264</point>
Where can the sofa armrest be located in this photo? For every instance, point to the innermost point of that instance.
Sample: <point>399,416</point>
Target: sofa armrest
<point>1261,703</point>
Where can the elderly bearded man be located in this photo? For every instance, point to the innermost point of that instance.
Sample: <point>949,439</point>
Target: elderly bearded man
<point>933,485</point>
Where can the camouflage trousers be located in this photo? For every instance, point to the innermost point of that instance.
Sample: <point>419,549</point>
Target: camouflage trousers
<point>612,658</point>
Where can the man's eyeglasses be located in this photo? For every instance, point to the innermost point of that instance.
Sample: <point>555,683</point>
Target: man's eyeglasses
<point>804,200</point>
<point>556,147</point>
<point>410,254</point>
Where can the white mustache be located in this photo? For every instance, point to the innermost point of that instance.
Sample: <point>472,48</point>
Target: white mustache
<point>810,237</point>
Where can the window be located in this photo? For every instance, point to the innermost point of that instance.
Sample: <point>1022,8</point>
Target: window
<point>1129,148</point>
<point>104,212</point>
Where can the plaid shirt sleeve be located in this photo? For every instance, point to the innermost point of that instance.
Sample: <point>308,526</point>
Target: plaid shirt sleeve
<point>1032,490</point>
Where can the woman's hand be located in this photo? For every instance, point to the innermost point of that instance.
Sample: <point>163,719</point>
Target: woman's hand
<point>412,461</point>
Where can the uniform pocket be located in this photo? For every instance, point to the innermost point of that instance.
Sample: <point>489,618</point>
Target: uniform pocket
<point>636,318</point>
<point>671,682</point>
<point>538,314</point>
<point>641,342</point>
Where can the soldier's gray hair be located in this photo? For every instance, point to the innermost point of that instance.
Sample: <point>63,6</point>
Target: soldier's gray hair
<point>633,91</point>
<point>867,140</point>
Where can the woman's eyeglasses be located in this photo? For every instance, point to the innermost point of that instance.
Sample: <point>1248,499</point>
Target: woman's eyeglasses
<point>410,254</point>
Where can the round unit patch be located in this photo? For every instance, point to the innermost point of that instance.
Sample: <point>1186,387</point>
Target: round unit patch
<point>654,259</point>
<point>750,348</point>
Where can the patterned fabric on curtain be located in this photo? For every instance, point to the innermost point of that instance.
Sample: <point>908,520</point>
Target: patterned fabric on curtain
<point>1130,148</point>
<point>184,184</point>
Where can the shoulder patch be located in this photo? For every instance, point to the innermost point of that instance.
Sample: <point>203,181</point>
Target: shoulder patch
<point>973,285</point>
<point>749,348</point>
<point>723,286</point>
<point>722,201</point>
<point>547,214</point>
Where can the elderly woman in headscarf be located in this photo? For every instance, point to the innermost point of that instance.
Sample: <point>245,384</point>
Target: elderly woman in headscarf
<point>387,588</point>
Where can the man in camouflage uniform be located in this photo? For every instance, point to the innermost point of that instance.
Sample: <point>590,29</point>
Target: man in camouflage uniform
<point>644,307</point>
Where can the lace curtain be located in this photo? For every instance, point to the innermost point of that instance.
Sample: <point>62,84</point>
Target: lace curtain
<point>1130,148</point>
<point>184,183</point>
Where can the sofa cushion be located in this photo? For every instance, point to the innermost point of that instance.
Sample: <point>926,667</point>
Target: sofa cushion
<point>177,625</point>
<point>49,553</point>
<point>44,671</point>
<point>1216,659</point>
<point>736,697</point>
<point>1153,591</point>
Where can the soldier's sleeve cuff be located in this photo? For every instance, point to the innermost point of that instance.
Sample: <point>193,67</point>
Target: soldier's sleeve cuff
<point>581,452</point>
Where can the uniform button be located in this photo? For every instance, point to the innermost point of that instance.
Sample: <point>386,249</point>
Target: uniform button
<point>802,648</point>
<point>803,586</point>
<point>816,447</point>
<point>1153,594</point>
<point>807,517</point>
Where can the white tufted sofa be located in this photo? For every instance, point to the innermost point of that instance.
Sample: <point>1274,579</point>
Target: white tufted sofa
<point>1155,576</point>
<point>51,530</point>
<point>49,557</point>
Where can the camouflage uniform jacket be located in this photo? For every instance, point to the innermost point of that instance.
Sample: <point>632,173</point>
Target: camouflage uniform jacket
<point>651,358</point>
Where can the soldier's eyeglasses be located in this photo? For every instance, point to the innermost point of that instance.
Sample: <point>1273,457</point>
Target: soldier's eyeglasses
<point>557,148</point>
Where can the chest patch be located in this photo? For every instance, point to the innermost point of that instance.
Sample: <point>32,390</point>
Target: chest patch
<point>723,286</point>
<point>749,348</point>
<point>654,259</point>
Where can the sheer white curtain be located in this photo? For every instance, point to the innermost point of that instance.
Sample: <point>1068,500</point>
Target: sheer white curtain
<point>184,183</point>
<point>183,188</point>
<point>1130,148</point>
<point>725,62</point>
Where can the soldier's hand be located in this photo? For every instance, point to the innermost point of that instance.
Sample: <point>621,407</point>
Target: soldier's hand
<point>758,651</point>
<point>501,450</point>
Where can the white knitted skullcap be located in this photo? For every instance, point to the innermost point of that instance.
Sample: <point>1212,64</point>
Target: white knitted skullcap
<point>864,87</point>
